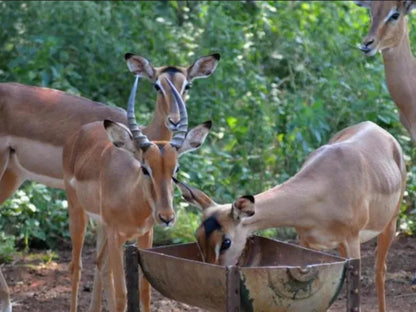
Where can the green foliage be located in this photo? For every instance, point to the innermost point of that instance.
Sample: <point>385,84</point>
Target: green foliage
<point>290,76</point>
<point>36,217</point>
<point>6,247</point>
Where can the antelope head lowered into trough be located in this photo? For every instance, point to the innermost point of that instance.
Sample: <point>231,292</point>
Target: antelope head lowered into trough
<point>347,192</point>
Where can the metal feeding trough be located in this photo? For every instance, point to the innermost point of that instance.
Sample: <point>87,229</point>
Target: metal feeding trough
<point>273,276</point>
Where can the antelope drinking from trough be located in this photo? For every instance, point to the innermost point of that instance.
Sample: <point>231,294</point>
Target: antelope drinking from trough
<point>346,193</point>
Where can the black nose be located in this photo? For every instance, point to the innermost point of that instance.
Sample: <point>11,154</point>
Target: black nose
<point>365,46</point>
<point>166,221</point>
<point>369,42</point>
<point>364,49</point>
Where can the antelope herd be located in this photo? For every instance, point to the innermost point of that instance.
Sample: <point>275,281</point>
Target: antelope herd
<point>122,175</point>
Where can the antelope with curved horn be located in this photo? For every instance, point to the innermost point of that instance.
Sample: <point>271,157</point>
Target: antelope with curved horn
<point>165,118</point>
<point>347,192</point>
<point>120,178</point>
<point>35,122</point>
<point>389,34</point>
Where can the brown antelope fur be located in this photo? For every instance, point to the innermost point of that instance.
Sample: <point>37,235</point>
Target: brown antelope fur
<point>389,34</point>
<point>35,122</point>
<point>118,177</point>
<point>347,192</point>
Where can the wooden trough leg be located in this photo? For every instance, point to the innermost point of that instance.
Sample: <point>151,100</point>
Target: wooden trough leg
<point>233,289</point>
<point>131,260</point>
<point>353,272</point>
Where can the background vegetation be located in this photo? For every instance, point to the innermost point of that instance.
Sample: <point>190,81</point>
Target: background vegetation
<point>290,76</point>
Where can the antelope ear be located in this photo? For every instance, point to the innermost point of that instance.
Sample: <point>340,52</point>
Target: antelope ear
<point>194,196</point>
<point>409,6</point>
<point>243,207</point>
<point>195,138</point>
<point>203,67</point>
<point>139,65</point>
<point>119,135</point>
<point>365,4</point>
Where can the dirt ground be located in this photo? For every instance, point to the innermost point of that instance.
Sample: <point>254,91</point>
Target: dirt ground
<point>39,286</point>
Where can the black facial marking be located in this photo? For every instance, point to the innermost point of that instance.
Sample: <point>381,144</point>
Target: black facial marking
<point>210,225</point>
<point>161,148</point>
<point>249,197</point>
<point>128,55</point>
<point>171,70</point>
<point>217,56</point>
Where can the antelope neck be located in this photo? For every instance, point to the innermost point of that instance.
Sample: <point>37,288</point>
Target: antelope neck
<point>283,205</point>
<point>157,129</point>
<point>399,65</point>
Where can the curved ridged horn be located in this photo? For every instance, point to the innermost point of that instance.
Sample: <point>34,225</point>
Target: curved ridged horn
<point>180,132</point>
<point>138,136</point>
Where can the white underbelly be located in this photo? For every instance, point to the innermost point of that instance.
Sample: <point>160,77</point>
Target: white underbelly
<point>37,161</point>
<point>95,216</point>
<point>366,235</point>
<point>87,193</point>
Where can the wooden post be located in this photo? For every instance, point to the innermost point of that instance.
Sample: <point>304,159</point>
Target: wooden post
<point>353,272</point>
<point>233,289</point>
<point>131,262</point>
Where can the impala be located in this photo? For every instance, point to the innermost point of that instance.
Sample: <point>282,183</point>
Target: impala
<point>389,34</point>
<point>35,122</point>
<point>346,193</point>
<point>166,117</point>
<point>118,177</point>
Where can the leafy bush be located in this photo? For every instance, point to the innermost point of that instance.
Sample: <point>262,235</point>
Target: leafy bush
<point>7,247</point>
<point>290,76</point>
<point>36,216</point>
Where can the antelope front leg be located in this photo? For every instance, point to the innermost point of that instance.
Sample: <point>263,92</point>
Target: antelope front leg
<point>95,304</point>
<point>9,183</point>
<point>145,241</point>
<point>383,244</point>
<point>77,224</point>
<point>115,250</point>
<point>102,272</point>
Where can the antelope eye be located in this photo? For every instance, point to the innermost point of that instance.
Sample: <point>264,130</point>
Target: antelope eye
<point>157,87</point>
<point>188,86</point>
<point>395,16</point>
<point>145,171</point>
<point>226,243</point>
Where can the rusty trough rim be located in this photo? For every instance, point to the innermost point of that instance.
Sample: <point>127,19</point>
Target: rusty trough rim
<point>300,247</point>
<point>154,251</point>
<point>337,259</point>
